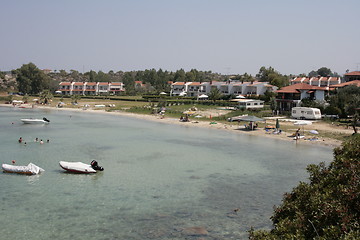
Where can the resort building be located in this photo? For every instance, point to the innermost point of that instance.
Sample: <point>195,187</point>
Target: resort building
<point>91,88</point>
<point>351,76</point>
<point>291,96</point>
<point>317,81</point>
<point>195,89</point>
<point>341,85</point>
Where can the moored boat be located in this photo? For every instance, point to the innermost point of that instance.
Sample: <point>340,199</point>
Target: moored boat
<point>30,169</point>
<point>79,167</point>
<point>35,120</point>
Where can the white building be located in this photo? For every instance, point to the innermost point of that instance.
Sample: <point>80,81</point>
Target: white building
<point>91,88</point>
<point>194,89</point>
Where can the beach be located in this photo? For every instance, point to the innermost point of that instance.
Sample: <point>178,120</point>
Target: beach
<point>235,127</point>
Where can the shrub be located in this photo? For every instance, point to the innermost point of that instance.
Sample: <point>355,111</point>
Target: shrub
<point>327,207</point>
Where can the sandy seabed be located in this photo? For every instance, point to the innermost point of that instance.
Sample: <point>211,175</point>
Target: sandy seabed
<point>233,127</point>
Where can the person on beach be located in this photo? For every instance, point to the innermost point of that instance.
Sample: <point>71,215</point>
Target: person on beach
<point>297,134</point>
<point>41,141</point>
<point>20,140</point>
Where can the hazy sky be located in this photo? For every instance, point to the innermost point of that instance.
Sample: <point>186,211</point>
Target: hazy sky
<point>224,36</point>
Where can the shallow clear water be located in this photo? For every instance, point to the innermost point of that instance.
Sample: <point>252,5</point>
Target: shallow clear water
<point>158,179</point>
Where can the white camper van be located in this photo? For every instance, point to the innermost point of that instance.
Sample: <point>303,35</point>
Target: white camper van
<point>305,113</point>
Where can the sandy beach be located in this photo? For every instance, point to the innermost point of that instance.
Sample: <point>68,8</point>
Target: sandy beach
<point>233,127</point>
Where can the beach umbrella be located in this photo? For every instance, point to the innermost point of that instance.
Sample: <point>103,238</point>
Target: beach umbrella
<point>240,96</point>
<point>250,118</point>
<point>237,118</point>
<point>277,125</point>
<point>302,123</point>
<point>203,96</point>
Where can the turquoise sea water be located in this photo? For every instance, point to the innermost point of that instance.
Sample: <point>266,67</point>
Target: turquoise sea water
<point>158,180</point>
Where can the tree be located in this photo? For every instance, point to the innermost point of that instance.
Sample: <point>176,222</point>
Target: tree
<point>324,72</point>
<point>179,75</point>
<point>348,101</point>
<point>129,83</point>
<point>272,76</point>
<point>325,208</point>
<point>92,76</point>
<point>102,77</point>
<point>215,94</point>
<point>46,96</point>
<point>31,80</point>
<point>75,98</point>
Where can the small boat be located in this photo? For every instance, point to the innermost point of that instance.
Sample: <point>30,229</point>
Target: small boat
<point>30,169</point>
<point>35,120</point>
<point>79,167</point>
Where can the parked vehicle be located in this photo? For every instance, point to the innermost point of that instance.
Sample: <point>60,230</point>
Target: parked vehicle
<point>305,113</point>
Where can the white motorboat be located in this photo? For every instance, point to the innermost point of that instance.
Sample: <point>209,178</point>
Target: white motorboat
<point>30,169</point>
<point>35,120</point>
<point>79,167</point>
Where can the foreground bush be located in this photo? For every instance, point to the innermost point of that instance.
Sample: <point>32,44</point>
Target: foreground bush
<point>328,207</point>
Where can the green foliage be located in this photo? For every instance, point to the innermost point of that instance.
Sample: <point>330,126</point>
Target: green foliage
<point>307,102</point>
<point>325,208</point>
<point>272,76</point>
<point>331,110</point>
<point>323,72</point>
<point>46,96</point>
<point>346,99</point>
<point>31,80</point>
<point>215,94</point>
<point>75,98</point>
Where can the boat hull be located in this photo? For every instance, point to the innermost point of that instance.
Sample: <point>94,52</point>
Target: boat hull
<point>30,169</point>
<point>77,167</point>
<point>34,121</point>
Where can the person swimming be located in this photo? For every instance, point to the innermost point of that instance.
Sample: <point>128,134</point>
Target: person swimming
<point>20,140</point>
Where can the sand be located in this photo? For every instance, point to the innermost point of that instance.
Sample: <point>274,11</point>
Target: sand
<point>233,127</point>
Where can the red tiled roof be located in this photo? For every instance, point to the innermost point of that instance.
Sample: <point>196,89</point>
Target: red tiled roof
<point>116,83</point>
<point>354,73</point>
<point>295,88</point>
<point>195,84</point>
<point>179,83</point>
<point>91,83</point>
<point>323,79</point>
<point>103,83</point>
<point>65,84</point>
<point>298,79</point>
<point>78,83</point>
<point>355,82</point>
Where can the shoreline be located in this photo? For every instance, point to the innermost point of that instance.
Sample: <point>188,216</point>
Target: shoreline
<point>237,129</point>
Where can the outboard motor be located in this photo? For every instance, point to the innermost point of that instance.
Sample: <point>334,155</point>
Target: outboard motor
<point>95,166</point>
<point>46,120</point>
